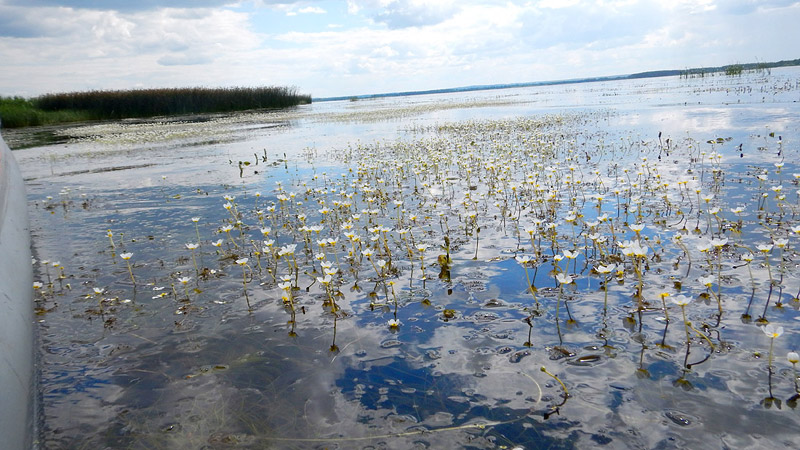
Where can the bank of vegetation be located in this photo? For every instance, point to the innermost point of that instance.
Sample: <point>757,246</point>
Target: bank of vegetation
<point>140,103</point>
<point>737,69</point>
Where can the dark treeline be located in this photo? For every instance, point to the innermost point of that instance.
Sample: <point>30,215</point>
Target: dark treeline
<point>111,105</point>
<point>733,69</point>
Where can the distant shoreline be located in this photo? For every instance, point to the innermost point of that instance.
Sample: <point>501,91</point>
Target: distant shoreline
<point>731,69</point>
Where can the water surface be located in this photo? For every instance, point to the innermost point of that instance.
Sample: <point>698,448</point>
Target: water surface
<point>479,356</point>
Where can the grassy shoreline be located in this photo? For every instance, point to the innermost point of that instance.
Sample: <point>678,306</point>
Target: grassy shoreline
<point>49,109</point>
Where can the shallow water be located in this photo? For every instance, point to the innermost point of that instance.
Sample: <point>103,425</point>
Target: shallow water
<point>159,364</point>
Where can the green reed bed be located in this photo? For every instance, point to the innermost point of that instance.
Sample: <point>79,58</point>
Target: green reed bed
<point>123,104</point>
<point>16,112</point>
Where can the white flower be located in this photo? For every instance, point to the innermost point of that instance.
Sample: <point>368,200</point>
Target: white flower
<point>125,256</point>
<point>184,280</point>
<point>764,248</point>
<point>522,259</point>
<point>772,330</point>
<point>563,278</point>
<point>287,250</point>
<point>680,300</point>
<point>393,323</point>
<point>638,250</point>
<point>192,246</point>
<point>633,248</point>
<point>719,242</point>
<point>242,261</point>
<point>793,357</point>
<point>601,268</point>
<point>704,246</point>
<point>217,243</point>
<point>706,281</point>
<point>195,219</point>
<point>37,284</point>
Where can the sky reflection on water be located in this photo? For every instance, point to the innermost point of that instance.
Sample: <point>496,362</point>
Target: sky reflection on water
<point>171,373</point>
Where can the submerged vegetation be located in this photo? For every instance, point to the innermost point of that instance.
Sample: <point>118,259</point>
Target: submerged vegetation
<point>537,281</point>
<point>140,103</point>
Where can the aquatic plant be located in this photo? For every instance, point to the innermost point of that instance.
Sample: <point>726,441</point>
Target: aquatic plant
<point>650,234</point>
<point>169,101</point>
<point>242,262</point>
<point>184,281</point>
<point>126,257</point>
<point>195,220</point>
<point>193,246</point>
<point>772,331</point>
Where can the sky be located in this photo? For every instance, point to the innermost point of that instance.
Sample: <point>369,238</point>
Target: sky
<point>330,48</point>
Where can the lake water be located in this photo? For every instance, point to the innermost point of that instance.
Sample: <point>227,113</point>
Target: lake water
<point>498,266</point>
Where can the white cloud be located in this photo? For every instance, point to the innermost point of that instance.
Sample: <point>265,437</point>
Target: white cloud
<point>121,5</point>
<point>311,10</point>
<point>379,45</point>
<point>108,48</point>
<point>414,13</point>
<point>557,4</point>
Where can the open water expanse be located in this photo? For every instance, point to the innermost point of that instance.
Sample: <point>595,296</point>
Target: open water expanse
<point>602,264</point>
